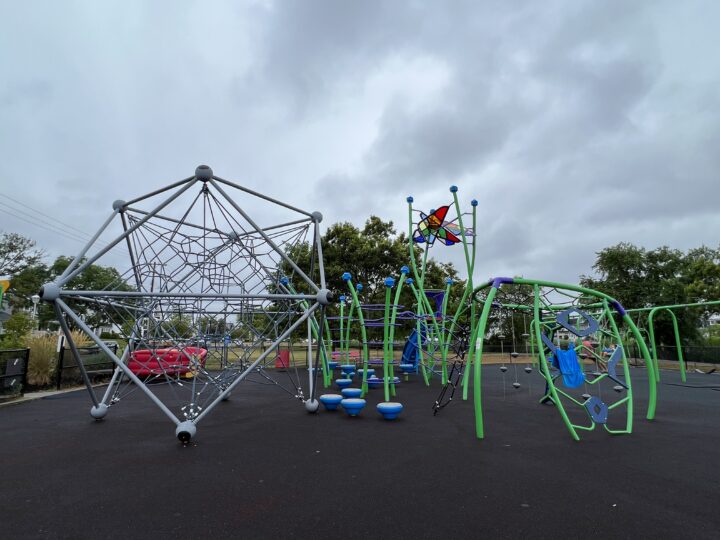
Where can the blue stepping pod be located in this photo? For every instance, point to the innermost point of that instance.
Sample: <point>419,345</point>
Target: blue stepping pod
<point>389,410</point>
<point>331,401</point>
<point>353,406</point>
<point>351,392</point>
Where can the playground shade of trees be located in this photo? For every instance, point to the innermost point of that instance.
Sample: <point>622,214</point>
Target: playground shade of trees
<point>642,278</point>
<point>634,275</point>
<point>370,254</point>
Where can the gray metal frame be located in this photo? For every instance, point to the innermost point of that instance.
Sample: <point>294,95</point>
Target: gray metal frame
<point>194,263</point>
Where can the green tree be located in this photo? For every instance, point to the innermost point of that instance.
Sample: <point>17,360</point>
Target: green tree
<point>93,278</point>
<point>702,275</point>
<point>371,254</point>
<point>17,253</point>
<point>26,283</point>
<point>17,329</point>
<point>663,276</point>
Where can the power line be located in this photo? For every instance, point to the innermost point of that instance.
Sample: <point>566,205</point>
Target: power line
<point>54,223</point>
<point>45,224</point>
<point>37,222</point>
<point>54,219</point>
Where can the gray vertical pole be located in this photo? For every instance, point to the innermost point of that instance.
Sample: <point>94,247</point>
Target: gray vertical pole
<point>311,378</point>
<point>115,359</point>
<point>321,266</point>
<point>115,375</point>
<point>76,354</point>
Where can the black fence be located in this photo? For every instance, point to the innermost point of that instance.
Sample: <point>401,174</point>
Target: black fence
<point>692,354</point>
<point>97,364</point>
<point>13,372</point>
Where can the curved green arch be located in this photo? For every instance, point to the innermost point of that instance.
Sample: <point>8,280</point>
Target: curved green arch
<point>676,331</point>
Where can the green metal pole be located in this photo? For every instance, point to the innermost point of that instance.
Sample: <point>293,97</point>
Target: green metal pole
<point>626,370</point>
<point>418,331</point>
<point>678,343</point>
<point>389,282</point>
<point>404,271</point>
<point>477,371</point>
<point>363,333</point>
<point>342,333</point>
<point>445,339</point>
<point>546,370</point>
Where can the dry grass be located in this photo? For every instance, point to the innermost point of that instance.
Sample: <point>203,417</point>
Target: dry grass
<point>80,339</point>
<point>43,356</point>
<point>41,365</point>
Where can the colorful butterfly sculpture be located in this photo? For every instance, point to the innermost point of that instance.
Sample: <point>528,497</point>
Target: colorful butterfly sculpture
<point>434,227</point>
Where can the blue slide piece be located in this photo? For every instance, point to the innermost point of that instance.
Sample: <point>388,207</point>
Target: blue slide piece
<point>438,297</point>
<point>410,351</point>
<point>567,363</point>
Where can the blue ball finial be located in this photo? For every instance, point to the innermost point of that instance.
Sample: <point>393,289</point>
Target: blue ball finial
<point>409,281</point>
<point>342,298</point>
<point>405,270</point>
<point>474,202</point>
<point>346,276</point>
<point>453,189</point>
<point>389,282</point>
<point>359,287</point>
<point>409,199</point>
<point>448,281</point>
<point>284,280</point>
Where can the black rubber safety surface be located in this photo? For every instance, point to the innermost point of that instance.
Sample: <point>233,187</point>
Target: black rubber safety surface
<point>261,467</point>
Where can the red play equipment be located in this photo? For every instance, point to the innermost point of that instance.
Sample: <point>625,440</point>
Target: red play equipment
<point>283,359</point>
<point>173,361</point>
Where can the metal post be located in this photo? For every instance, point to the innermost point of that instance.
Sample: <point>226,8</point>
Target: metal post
<point>59,366</point>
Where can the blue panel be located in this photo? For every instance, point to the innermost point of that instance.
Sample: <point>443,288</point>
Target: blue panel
<point>612,363</point>
<point>548,343</point>
<point>597,409</point>
<point>563,319</point>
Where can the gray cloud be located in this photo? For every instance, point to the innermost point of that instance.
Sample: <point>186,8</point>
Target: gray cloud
<point>575,124</point>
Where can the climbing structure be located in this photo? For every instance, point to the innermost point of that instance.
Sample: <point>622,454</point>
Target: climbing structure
<point>194,258</point>
<point>575,371</point>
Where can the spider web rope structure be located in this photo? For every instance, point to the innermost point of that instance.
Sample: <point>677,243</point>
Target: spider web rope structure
<point>203,301</point>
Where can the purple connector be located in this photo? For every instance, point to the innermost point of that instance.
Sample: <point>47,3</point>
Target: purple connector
<point>498,281</point>
<point>618,307</point>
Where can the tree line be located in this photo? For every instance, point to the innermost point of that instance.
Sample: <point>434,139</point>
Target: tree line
<point>637,277</point>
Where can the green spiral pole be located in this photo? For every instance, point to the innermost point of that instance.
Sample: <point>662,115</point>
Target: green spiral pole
<point>354,289</point>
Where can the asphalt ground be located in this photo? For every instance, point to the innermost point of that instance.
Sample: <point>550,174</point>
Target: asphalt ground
<point>261,467</point>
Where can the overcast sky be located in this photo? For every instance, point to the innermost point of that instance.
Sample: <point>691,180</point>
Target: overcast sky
<point>576,125</point>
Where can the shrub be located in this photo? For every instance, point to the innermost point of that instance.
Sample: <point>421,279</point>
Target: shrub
<point>43,357</point>
<point>17,329</point>
<point>80,339</point>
